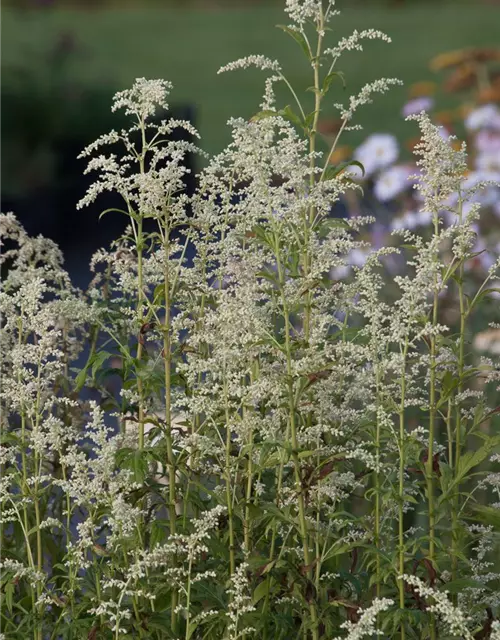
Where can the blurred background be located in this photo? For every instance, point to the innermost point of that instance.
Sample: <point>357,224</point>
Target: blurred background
<point>62,61</point>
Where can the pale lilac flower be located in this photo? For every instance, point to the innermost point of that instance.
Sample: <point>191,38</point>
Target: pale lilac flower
<point>484,258</point>
<point>377,152</point>
<point>392,182</point>
<point>357,257</point>
<point>423,218</point>
<point>444,133</point>
<point>412,219</point>
<point>487,142</point>
<point>488,163</point>
<point>416,105</point>
<point>398,223</point>
<point>485,117</point>
<point>476,187</point>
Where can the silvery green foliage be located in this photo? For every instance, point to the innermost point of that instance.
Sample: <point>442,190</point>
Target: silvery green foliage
<point>283,438</point>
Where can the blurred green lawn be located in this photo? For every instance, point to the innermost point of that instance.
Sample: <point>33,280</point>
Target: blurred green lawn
<point>188,46</point>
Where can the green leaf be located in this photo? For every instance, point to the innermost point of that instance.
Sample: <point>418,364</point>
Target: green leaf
<point>456,586</point>
<point>99,359</point>
<point>159,621</point>
<point>298,37</point>
<point>289,114</point>
<point>260,591</point>
<point>484,293</point>
<point>309,120</point>
<point>488,515</point>
<point>472,459</point>
<point>80,379</point>
<point>330,78</point>
<point>306,454</point>
<point>262,115</point>
<point>278,513</point>
<point>116,211</point>
<point>332,172</point>
<point>95,361</point>
<point>159,293</point>
<point>192,628</point>
<point>9,593</point>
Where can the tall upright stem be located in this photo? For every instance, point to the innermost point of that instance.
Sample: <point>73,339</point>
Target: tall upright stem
<point>229,498</point>
<point>294,442</point>
<point>167,363</point>
<point>432,421</point>
<point>140,284</point>
<point>248,495</point>
<point>458,415</point>
<point>312,163</point>
<point>140,302</point>
<point>378,571</point>
<point>401,478</point>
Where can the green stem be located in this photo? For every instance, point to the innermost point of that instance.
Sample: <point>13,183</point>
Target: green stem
<point>401,477</point>
<point>229,499</point>
<point>432,422</point>
<point>378,571</point>
<point>188,599</point>
<point>294,442</point>
<point>458,415</point>
<point>167,359</point>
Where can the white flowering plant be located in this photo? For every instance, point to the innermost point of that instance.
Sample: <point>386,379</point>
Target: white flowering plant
<point>240,430</point>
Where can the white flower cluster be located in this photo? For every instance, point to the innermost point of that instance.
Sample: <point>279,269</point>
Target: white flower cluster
<point>259,61</point>
<point>300,11</point>
<point>365,96</point>
<point>240,603</point>
<point>144,99</point>
<point>149,174</point>
<point>442,168</point>
<point>354,41</point>
<point>453,619</point>
<point>18,570</point>
<point>367,623</point>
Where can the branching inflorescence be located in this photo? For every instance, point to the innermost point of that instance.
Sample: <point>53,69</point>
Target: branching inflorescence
<point>279,430</point>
